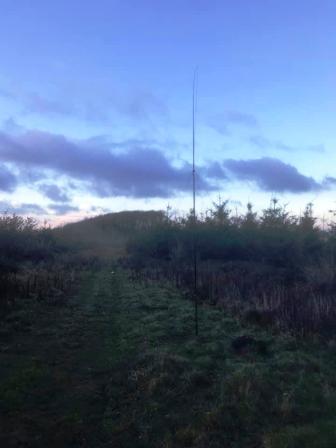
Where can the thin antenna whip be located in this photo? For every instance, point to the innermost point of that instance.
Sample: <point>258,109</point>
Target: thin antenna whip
<point>194,107</point>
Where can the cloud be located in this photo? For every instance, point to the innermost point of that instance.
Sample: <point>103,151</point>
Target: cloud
<point>131,169</point>
<point>7,94</point>
<point>219,125</point>
<point>265,143</point>
<point>28,209</point>
<point>138,105</point>
<point>54,193</point>
<point>8,180</point>
<point>38,104</point>
<point>142,105</point>
<point>35,209</point>
<point>34,103</point>
<point>22,209</point>
<point>99,210</point>
<point>62,209</point>
<point>138,172</point>
<point>329,182</point>
<point>316,148</point>
<point>214,170</point>
<point>241,118</point>
<point>11,126</point>
<point>272,175</point>
<point>222,122</point>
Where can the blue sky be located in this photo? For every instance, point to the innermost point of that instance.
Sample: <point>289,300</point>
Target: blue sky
<point>95,104</point>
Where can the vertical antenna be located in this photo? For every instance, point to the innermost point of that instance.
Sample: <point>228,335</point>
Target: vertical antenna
<point>194,105</point>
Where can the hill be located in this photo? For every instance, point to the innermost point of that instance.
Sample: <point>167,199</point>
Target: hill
<point>106,236</point>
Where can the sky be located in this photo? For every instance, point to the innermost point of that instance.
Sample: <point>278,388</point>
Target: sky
<point>96,105</point>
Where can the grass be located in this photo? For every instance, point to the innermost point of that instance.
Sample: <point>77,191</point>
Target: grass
<point>119,366</point>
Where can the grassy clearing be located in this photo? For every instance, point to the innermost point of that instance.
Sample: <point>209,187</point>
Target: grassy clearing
<point>179,391</point>
<point>53,370</point>
<point>120,367</point>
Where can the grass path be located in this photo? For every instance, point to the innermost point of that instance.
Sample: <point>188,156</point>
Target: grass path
<point>54,368</point>
<point>119,366</point>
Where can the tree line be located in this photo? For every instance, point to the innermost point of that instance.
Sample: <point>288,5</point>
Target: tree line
<point>272,264</point>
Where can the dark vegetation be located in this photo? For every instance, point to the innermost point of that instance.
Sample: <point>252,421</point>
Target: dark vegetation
<point>97,344</point>
<point>33,263</point>
<point>275,269</point>
<point>37,262</point>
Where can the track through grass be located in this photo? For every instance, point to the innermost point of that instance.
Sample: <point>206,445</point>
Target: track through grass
<point>119,366</point>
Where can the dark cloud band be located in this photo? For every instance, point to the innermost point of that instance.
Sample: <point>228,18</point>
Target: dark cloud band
<point>272,175</point>
<point>8,181</point>
<point>138,171</point>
